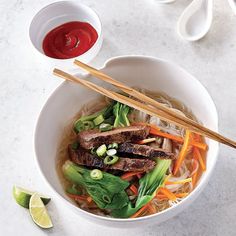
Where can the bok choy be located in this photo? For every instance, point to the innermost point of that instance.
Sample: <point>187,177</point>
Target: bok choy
<point>147,189</point>
<point>107,192</point>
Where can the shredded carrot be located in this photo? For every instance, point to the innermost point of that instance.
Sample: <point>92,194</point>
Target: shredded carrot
<point>198,155</point>
<point>183,181</point>
<point>140,211</point>
<point>147,140</point>
<point>151,209</point>
<point>180,195</point>
<point>134,189</point>
<point>78,197</point>
<point>177,195</point>
<point>176,138</point>
<point>166,179</point>
<point>168,194</point>
<point>129,174</point>
<point>89,199</point>
<point>182,153</point>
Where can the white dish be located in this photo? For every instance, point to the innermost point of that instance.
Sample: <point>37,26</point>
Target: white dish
<point>146,72</point>
<point>56,14</point>
<point>195,21</point>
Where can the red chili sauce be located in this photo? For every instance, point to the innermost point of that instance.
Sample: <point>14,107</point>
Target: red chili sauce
<point>69,40</point>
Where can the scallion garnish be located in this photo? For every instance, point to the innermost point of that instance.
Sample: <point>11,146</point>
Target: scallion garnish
<point>101,151</point>
<point>110,160</point>
<point>96,174</point>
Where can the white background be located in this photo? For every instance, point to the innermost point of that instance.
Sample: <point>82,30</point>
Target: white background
<point>130,27</point>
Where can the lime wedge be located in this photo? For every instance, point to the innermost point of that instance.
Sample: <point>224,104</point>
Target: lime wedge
<point>39,212</point>
<point>22,196</point>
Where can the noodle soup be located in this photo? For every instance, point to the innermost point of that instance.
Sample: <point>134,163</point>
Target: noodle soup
<point>154,163</point>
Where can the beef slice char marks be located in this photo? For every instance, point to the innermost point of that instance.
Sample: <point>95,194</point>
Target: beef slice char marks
<point>144,151</point>
<point>94,138</point>
<point>85,158</point>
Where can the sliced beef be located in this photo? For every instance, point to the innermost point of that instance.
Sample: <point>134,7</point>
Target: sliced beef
<point>84,157</point>
<point>94,138</point>
<point>145,151</point>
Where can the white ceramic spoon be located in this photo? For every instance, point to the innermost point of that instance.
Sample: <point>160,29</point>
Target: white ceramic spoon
<point>195,21</point>
<point>232,3</point>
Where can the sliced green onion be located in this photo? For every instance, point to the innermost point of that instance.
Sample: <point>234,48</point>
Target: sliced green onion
<point>111,152</point>
<point>113,145</point>
<point>101,151</point>
<point>93,151</point>
<point>105,127</point>
<point>83,125</point>
<point>98,120</point>
<point>110,160</point>
<point>78,126</point>
<point>74,145</point>
<point>96,174</point>
<point>88,125</point>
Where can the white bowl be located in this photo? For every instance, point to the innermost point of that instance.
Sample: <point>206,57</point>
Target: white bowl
<point>146,72</point>
<point>57,14</point>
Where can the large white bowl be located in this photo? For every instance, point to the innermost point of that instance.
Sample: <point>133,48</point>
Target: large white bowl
<point>146,72</point>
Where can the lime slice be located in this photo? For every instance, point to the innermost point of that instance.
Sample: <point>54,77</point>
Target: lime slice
<point>39,212</point>
<point>22,196</point>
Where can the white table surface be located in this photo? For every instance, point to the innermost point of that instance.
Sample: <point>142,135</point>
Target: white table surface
<point>130,27</point>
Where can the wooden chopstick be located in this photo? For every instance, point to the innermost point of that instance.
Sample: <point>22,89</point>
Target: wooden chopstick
<point>207,132</point>
<point>142,107</point>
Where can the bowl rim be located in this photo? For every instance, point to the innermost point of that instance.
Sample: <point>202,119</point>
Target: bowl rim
<point>100,32</point>
<point>184,201</point>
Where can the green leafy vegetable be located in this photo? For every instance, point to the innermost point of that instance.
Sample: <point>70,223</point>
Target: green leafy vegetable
<point>121,112</point>
<point>147,189</point>
<point>74,190</point>
<point>107,193</point>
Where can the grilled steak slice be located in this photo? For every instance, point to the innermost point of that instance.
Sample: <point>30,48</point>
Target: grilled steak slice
<point>94,138</point>
<point>83,157</point>
<point>145,151</point>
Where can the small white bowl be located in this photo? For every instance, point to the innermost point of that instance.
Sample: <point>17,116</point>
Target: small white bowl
<point>57,14</point>
<point>139,71</point>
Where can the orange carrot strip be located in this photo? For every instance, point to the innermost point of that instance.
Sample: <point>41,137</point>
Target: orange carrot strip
<point>151,209</point>
<point>168,194</point>
<point>129,174</point>
<point>140,211</point>
<point>178,139</point>
<point>133,189</point>
<point>77,197</point>
<point>166,179</point>
<point>89,199</point>
<point>198,155</point>
<point>180,195</point>
<point>182,153</point>
<point>147,140</point>
<point>179,182</point>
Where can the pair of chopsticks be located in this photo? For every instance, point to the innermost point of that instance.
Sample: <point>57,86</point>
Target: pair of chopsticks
<point>148,105</point>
